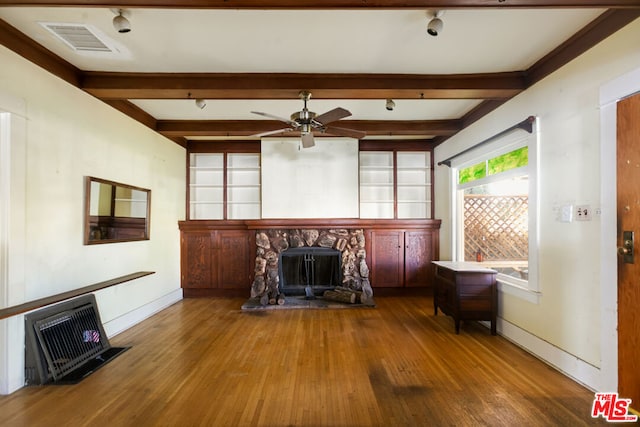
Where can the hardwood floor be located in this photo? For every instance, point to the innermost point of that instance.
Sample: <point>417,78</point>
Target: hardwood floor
<point>204,362</point>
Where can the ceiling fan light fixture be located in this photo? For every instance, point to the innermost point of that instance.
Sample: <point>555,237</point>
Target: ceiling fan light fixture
<point>120,22</point>
<point>307,122</point>
<point>435,26</point>
<point>201,103</point>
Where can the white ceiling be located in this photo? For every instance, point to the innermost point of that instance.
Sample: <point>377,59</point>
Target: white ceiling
<point>310,41</point>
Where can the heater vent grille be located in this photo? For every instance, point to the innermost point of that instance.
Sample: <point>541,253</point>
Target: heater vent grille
<point>78,37</point>
<point>68,339</point>
<point>65,342</point>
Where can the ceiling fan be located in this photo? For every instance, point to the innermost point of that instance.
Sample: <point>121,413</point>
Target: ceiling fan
<point>307,122</point>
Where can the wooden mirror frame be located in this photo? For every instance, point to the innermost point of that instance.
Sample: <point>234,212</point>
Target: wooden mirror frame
<point>113,226</point>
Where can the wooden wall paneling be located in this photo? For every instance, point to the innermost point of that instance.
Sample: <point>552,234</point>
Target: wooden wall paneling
<point>419,252</point>
<point>197,269</point>
<point>234,256</point>
<point>387,258</point>
<point>218,257</point>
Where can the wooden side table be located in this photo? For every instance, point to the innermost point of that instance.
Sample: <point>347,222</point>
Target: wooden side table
<point>465,291</point>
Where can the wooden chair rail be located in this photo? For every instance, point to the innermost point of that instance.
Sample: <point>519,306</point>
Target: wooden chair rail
<point>32,305</point>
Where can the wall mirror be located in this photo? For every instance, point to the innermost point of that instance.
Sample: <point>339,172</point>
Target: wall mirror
<point>115,212</point>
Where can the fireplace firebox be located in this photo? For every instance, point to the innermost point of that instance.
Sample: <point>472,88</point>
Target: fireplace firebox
<point>315,260</point>
<point>309,270</point>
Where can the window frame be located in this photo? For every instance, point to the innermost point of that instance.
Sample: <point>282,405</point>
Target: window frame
<point>530,289</point>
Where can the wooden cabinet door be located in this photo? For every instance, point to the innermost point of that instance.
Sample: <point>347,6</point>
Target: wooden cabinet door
<point>196,260</point>
<point>387,259</point>
<point>418,254</point>
<point>233,259</point>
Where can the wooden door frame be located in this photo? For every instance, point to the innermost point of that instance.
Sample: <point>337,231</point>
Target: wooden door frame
<point>610,94</point>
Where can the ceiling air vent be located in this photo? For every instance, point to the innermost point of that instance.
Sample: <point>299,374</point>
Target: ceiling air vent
<point>79,37</point>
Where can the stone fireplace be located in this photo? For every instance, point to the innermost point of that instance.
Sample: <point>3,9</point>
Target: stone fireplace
<point>274,245</point>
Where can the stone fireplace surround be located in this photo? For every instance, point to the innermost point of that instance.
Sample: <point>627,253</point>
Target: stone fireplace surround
<point>271,242</point>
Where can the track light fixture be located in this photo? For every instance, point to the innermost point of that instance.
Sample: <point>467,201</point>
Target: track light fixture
<point>434,28</point>
<point>390,105</point>
<point>120,22</point>
<point>201,103</point>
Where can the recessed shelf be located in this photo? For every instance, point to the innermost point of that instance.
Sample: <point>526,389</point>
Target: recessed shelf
<point>205,203</point>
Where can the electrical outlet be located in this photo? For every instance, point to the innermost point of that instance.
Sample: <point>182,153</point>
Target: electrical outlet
<point>584,213</point>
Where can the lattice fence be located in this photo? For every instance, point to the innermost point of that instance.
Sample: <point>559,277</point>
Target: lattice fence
<point>497,226</point>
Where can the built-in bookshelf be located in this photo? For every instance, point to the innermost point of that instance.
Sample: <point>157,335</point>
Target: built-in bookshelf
<point>376,184</point>
<point>243,186</point>
<point>206,186</point>
<point>216,178</point>
<point>413,174</point>
<point>395,184</point>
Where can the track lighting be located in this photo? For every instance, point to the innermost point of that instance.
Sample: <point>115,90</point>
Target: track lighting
<point>434,28</point>
<point>120,22</point>
<point>201,103</point>
<point>390,105</point>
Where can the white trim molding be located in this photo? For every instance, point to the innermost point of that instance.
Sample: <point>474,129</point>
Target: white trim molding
<point>12,239</point>
<point>610,93</point>
<point>132,318</point>
<point>570,365</point>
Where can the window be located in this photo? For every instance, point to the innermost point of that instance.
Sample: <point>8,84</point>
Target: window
<point>224,186</point>
<point>496,211</point>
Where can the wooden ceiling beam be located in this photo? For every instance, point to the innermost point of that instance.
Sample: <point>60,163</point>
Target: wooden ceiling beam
<point>329,4</point>
<point>597,30</point>
<point>288,85</point>
<point>134,112</point>
<point>19,43</point>
<point>492,88</point>
<point>227,128</point>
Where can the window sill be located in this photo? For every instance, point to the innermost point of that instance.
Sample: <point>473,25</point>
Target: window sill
<point>519,292</point>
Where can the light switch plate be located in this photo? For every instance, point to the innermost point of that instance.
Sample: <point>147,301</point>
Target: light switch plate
<point>566,213</point>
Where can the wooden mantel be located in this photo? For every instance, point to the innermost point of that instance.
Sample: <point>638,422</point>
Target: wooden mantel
<point>257,224</point>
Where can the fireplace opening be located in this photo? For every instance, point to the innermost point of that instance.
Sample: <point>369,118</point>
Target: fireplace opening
<point>309,270</point>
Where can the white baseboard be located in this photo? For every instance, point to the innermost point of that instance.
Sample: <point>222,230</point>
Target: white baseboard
<point>126,321</point>
<point>568,364</point>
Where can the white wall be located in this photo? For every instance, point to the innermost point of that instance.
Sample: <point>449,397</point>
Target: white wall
<point>565,327</point>
<point>69,135</point>
<point>315,182</point>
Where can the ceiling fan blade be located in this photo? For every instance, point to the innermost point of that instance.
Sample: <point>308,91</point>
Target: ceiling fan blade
<point>345,132</point>
<point>272,132</point>
<point>307,140</point>
<point>282,119</point>
<point>332,116</point>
